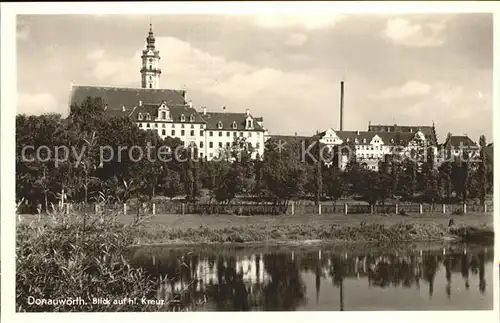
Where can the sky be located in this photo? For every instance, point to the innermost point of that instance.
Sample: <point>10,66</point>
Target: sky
<point>404,69</point>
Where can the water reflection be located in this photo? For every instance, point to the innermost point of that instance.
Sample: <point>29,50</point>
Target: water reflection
<point>241,280</point>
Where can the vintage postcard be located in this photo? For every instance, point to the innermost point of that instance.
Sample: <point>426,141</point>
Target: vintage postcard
<point>173,158</point>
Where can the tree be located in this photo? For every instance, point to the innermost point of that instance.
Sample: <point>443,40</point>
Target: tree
<point>482,170</point>
<point>283,174</point>
<point>171,185</point>
<point>335,183</point>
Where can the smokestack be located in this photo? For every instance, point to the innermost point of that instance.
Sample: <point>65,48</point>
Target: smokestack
<point>341,105</point>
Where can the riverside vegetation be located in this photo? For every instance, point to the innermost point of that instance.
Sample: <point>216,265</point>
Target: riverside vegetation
<point>66,256</point>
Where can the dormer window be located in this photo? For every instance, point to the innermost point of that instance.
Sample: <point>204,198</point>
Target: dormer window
<point>347,140</point>
<point>164,115</point>
<point>364,140</point>
<point>356,140</point>
<point>191,118</point>
<point>148,116</point>
<point>139,116</point>
<point>392,140</point>
<point>249,123</point>
<point>183,118</point>
<point>235,125</point>
<point>219,125</point>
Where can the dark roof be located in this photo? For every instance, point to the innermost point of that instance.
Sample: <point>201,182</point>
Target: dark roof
<point>116,97</point>
<point>227,119</point>
<point>460,141</point>
<point>428,131</point>
<point>387,137</point>
<point>176,111</point>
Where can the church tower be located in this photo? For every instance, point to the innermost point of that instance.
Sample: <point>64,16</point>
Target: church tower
<point>150,71</point>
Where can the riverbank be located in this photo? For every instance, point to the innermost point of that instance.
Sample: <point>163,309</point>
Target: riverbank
<point>69,255</point>
<point>227,229</point>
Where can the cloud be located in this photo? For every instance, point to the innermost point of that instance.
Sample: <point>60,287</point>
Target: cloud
<point>446,93</point>
<point>308,22</point>
<point>37,103</point>
<point>401,31</point>
<point>408,89</point>
<point>296,40</point>
<point>96,54</point>
<point>217,81</point>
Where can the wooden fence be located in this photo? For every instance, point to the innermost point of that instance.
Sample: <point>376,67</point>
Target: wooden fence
<point>169,207</point>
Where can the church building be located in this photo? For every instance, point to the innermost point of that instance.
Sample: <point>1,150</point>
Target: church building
<point>170,114</point>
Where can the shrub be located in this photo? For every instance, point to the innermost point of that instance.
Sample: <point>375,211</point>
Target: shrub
<point>402,212</point>
<point>458,212</point>
<point>78,256</point>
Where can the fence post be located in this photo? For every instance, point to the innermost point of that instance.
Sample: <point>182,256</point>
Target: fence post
<point>485,207</point>
<point>397,208</point>
<point>319,208</point>
<point>96,208</point>
<point>182,209</point>
<point>345,208</point>
<point>421,209</point>
<point>125,208</point>
<point>371,209</point>
<point>293,207</point>
<point>465,208</point>
<point>444,208</point>
<point>154,208</point>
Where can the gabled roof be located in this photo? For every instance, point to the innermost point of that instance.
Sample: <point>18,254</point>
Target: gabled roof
<point>460,141</point>
<point>176,111</point>
<point>116,97</point>
<point>428,131</point>
<point>227,118</point>
<point>388,138</point>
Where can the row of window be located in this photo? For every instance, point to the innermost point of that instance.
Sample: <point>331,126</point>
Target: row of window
<point>234,125</point>
<point>370,156</point>
<point>164,116</point>
<point>370,148</point>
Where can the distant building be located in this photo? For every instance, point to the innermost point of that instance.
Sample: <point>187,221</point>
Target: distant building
<point>167,112</point>
<point>456,146</point>
<point>371,147</point>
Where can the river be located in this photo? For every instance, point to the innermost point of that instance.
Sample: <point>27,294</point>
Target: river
<point>321,278</point>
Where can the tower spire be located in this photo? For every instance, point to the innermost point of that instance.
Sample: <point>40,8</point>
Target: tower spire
<point>150,71</point>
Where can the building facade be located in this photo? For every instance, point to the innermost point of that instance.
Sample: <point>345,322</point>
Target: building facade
<point>168,113</point>
<point>371,147</point>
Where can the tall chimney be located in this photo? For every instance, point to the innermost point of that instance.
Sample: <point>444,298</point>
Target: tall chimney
<point>341,105</point>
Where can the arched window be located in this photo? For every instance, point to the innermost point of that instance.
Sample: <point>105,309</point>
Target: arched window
<point>219,125</point>
<point>191,118</point>
<point>235,125</point>
<point>150,67</point>
<point>183,118</point>
<point>148,117</point>
<point>139,116</point>
<point>164,114</point>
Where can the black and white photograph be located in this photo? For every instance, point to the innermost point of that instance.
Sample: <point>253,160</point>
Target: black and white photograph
<point>316,161</point>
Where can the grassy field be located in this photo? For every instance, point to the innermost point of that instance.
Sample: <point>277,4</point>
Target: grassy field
<point>182,229</point>
<point>184,222</point>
